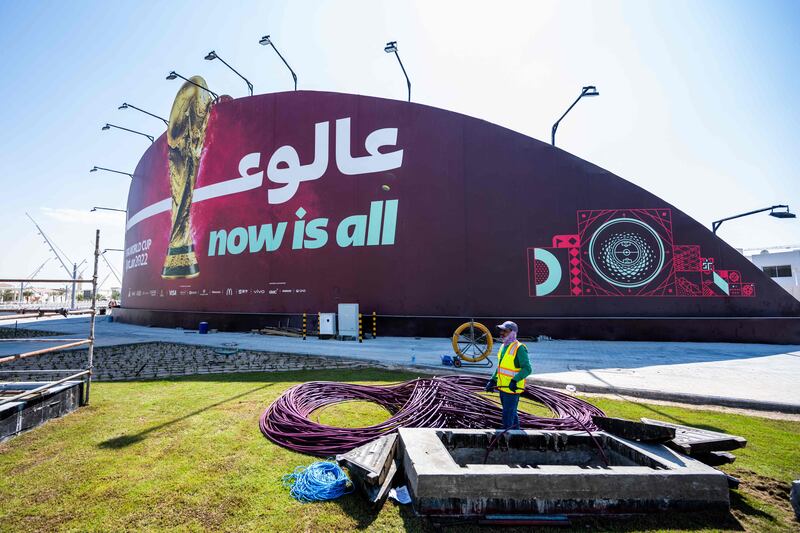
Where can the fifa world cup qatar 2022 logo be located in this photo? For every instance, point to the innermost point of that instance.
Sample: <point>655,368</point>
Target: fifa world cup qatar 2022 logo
<point>185,136</point>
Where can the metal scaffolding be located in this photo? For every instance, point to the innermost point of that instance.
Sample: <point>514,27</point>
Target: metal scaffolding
<point>86,373</point>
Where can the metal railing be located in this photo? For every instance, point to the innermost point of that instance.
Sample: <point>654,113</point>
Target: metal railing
<point>65,344</point>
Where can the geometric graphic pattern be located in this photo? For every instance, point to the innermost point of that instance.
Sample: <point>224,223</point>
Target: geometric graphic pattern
<point>572,243</point>
<point>687,258</point>
<point>548,280</point>
<point>628,252</point>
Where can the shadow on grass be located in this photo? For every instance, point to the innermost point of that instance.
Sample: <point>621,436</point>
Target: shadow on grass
<point>356,506</point>
<point>269,378</point>
<point>739,503</point>
<point>126,440</point>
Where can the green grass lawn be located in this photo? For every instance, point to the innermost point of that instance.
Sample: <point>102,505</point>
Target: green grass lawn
<point>187,454</point>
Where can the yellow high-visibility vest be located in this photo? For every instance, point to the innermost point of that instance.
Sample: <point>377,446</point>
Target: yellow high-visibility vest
<point>507,369</point>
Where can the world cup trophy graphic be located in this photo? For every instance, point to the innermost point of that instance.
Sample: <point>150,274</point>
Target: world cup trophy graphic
<point>185,135</point>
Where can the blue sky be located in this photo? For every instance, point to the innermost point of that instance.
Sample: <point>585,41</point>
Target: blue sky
<point>696,98</point>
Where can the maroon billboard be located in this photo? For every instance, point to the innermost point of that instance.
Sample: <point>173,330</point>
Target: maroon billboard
<point>294,202</point>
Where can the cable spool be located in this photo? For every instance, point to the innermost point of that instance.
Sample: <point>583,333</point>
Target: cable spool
<point>472,341</point>
<point>320,481</point>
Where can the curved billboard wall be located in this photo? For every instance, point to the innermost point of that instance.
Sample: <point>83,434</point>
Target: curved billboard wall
<point>294,202</point>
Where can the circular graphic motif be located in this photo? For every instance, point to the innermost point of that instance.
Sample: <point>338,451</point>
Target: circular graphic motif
<point>540,272</point>
<point>626,252</point>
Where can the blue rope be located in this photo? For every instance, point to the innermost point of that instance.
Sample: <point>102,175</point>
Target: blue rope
<point>323,480</point>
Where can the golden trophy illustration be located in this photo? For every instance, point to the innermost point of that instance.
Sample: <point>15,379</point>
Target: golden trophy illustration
<point>185,136</point>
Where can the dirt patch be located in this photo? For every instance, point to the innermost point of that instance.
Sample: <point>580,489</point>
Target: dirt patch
<point>43,496</point>
<point>766,490</point>
<point>34,461</point>
<point>169,513</point>
<point>44,522</point>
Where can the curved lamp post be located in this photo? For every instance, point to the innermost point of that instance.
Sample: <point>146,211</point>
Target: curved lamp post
<point>96,208</point>
<point>391,48</point>
<point>266,41</point>
<point>127,105</point>
<point>96,168</point>
<point>172,75</point>
<point>212,55</point>
<point>777,214</point>
<point>590,90</point>
<point>109,126</point>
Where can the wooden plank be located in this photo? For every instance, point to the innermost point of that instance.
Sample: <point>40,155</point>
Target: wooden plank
<point>279,332</point>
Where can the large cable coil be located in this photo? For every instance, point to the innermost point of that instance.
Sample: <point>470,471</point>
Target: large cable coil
<point>440,402</point>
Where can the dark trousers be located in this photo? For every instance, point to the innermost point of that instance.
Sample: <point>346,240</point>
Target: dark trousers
<point>510,402</point>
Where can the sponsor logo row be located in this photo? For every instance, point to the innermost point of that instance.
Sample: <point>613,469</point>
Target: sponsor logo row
<point>228,291</point>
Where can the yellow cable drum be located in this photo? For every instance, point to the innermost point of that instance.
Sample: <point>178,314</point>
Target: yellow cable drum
<point>472,341</point>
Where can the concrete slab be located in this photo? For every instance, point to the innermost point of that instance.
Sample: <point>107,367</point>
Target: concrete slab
<point>691,440</point>
<point>632,430</point>
<point>449,474</point>
<point>372,460</point>
<point>373,467</point>
<point>715,458</point>
<point>756,376</point>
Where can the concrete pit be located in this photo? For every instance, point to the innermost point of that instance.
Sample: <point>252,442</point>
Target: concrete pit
<point>525,450</point>
<point>450,473</point>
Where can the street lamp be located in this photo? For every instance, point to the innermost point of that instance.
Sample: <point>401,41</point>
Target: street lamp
<point>109,126</point>
<point>391,48</point>
<point>172,75</point>
<point>96,168</point>
<point>212,55</point>
<point>777,214</point>
<point>266,41</point>
<point>95,208</point>
<point>590,90</point>
<point>126,106</point>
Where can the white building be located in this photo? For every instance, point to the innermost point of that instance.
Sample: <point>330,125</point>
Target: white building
<point>782,265</point>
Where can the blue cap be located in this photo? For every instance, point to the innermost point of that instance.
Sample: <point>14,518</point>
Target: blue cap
<point>509,325</point>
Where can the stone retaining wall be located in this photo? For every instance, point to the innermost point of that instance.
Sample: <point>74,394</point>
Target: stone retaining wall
<point>7,332</point>
<point>163,359</point>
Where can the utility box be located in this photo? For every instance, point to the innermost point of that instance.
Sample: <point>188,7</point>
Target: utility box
<point>348,320</point>
<point>327,324</point>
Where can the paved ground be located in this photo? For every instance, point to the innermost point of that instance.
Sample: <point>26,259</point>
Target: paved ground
<point>758,376</point>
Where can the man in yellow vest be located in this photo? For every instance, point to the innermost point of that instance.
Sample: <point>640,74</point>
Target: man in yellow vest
<point>513,366</point>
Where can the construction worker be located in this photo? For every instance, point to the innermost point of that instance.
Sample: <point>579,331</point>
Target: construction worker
<point>513,366</point>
